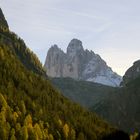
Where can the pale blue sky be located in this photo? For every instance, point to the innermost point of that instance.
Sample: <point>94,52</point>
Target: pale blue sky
<point>110,28</point>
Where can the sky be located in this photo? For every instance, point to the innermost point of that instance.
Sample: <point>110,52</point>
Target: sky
<point>111,28</point>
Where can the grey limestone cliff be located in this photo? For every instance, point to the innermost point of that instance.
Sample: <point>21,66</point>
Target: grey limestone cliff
<point>79,64</point>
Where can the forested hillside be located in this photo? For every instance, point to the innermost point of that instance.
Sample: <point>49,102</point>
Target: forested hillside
<point>126,103</point>
<point>3,22</point>
<point>16,44</point>
<point>85,93</point>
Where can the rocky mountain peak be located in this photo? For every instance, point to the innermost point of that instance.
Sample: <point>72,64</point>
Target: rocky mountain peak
<point>3,21</point>
<point>55,51</point>
<point>74,46</point>
<point>137,63</point>
<point>55,58</point>
<point>132,73</point>
<point>79,64</point>
<point>54,48</point>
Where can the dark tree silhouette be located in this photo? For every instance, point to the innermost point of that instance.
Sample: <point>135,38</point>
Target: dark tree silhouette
<point>118,135</point>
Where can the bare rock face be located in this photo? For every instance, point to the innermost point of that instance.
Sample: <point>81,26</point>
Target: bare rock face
<point>55,62</point>
<point>132,73</point>
<point>74,53</point>
<point>79,64</point>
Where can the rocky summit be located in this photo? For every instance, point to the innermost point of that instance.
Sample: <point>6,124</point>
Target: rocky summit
<point>79,64</point>
<point>132,73</point>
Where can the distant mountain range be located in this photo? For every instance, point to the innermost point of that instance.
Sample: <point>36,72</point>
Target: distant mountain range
<point>79,64</point>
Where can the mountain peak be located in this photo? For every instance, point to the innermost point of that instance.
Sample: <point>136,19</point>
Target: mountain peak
<point>74,40</point>
<point>74,46</point>
<point>137,62</point>
<point>132,73</point>
<point>79,64</point>
<point>55,49</point>
<point>3,21</point>
<point>54,46</point>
